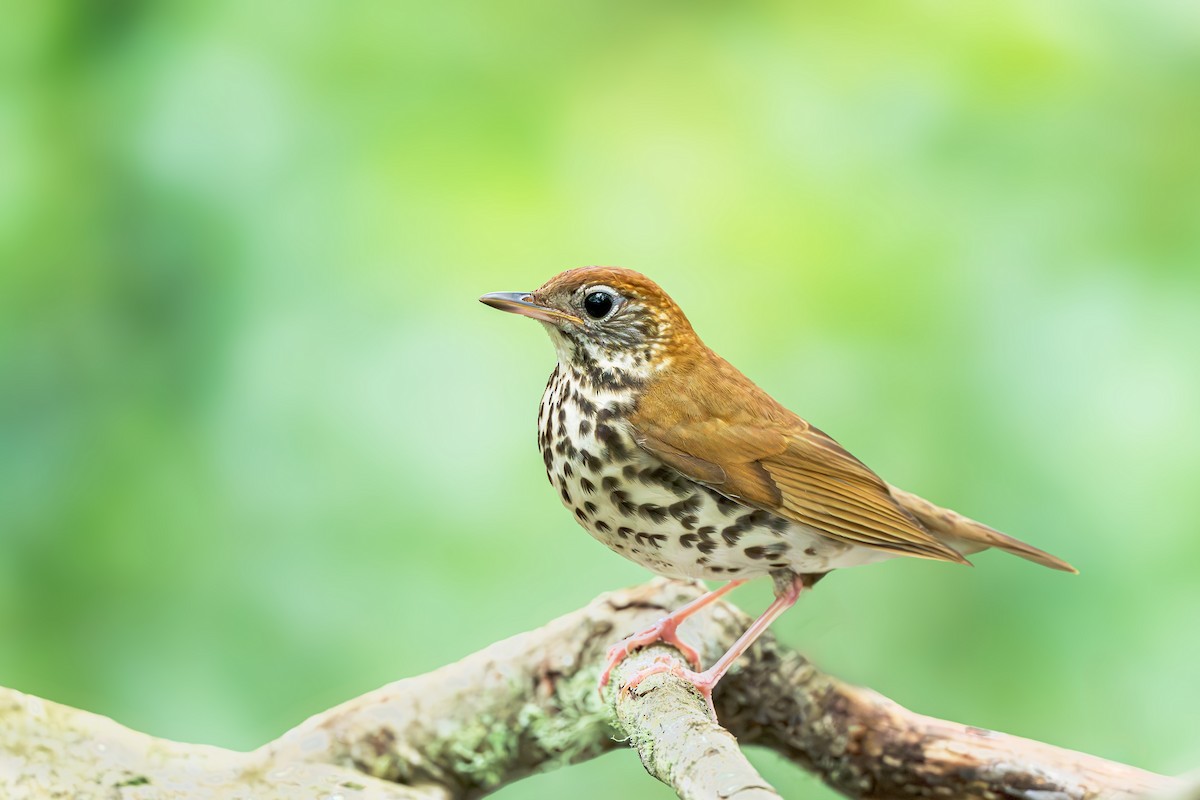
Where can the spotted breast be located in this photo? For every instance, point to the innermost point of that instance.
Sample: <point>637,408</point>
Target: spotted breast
<point>647,511</point>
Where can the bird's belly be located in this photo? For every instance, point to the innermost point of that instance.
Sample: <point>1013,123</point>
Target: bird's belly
<point>656,517</point>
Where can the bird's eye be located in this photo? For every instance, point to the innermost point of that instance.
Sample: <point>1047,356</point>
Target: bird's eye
<point>598,304</point>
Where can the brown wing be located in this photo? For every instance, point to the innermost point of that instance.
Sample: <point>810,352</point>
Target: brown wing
<point>731,436</point>
<point>825,487</point>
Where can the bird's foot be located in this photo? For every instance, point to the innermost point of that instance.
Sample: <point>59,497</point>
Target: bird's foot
<point>704,682</point>
<point>665,630</point>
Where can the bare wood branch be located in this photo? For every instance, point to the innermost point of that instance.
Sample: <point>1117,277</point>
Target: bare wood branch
<point>527,704</point>
<point>49,750</point>
<point>1188,788</point>
<point>679,743</point>
<point>865,745</point>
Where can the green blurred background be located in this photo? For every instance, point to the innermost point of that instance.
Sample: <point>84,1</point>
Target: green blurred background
<point>261,450</point>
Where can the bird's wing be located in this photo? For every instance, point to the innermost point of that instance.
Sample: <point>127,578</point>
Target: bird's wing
<point>780,463</point>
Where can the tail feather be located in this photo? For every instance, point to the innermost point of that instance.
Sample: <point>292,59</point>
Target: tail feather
<point>968,536</point>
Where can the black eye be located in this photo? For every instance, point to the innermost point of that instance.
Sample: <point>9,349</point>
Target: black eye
<point>598,304</point>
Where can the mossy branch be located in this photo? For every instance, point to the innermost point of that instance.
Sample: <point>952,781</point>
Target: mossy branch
<point>528,704</point>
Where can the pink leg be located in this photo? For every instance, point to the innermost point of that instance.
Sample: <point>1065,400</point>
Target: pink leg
<point>664,631</point>
<point>705,681</point>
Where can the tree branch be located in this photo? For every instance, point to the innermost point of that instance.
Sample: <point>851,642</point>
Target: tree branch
<point>667,723</point>
<point>528,704</point>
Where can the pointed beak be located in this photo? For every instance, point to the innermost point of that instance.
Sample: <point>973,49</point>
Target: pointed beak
<point>523,303</point>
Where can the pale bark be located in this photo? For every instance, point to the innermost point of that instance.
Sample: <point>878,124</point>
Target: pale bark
<point>528,704</point>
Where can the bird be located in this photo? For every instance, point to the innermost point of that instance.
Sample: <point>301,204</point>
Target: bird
<point>667,454</point>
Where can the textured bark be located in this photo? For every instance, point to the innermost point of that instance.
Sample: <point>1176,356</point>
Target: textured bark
<point>528,704</point>
<point>678,742</point>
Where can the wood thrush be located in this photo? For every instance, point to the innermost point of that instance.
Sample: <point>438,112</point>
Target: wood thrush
<point>670,456</point>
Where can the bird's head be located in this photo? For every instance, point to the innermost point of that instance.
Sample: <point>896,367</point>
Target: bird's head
<point>605,318</point>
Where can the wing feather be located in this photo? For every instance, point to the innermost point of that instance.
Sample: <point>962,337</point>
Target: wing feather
<point>796,472</point>
<point>710,422</point>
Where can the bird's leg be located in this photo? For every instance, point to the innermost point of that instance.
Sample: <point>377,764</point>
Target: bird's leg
<point>664,631</point>
<point>785,597</point>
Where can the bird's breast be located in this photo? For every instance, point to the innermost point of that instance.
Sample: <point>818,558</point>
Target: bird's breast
<point>650,513</point>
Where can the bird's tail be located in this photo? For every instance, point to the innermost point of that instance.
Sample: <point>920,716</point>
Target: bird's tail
<point>968,536</point>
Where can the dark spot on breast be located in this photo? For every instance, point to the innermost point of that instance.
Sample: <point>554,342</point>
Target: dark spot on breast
<point>547,458</point>
<point>590,506</point>
<point>568,470</point>
<point>590,461</point>
<point>609,483</point>
<point>778,524</point>
<point>566,496</point>
<point>652,511</point>
<point>772,550</point>
<point>707,546</point>
<point>779,566</point>
<point>609,379</point>
<point>688,540</point>
<point>655,539</point>
<point>587,486</point>
<point>629,471</point>
<point>620,499</point>
<point>581,514</point>
<point>706,531</point>
<point>689,521</point>
<point>651,476</point>
<point>624,532</point>
<point>684,507</point>
<point>731,535</point>
<point>602,526</point>
<point>585,425</point>
<point>677,482</point>
<point>810,551</point>
<point>727,506</point>
<point>611,440</point>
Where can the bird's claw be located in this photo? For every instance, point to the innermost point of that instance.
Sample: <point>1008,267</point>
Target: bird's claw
<point>704,682</point>
<point>665,631</point>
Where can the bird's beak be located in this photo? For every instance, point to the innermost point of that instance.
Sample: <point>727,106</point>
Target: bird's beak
<point>522,303</point>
